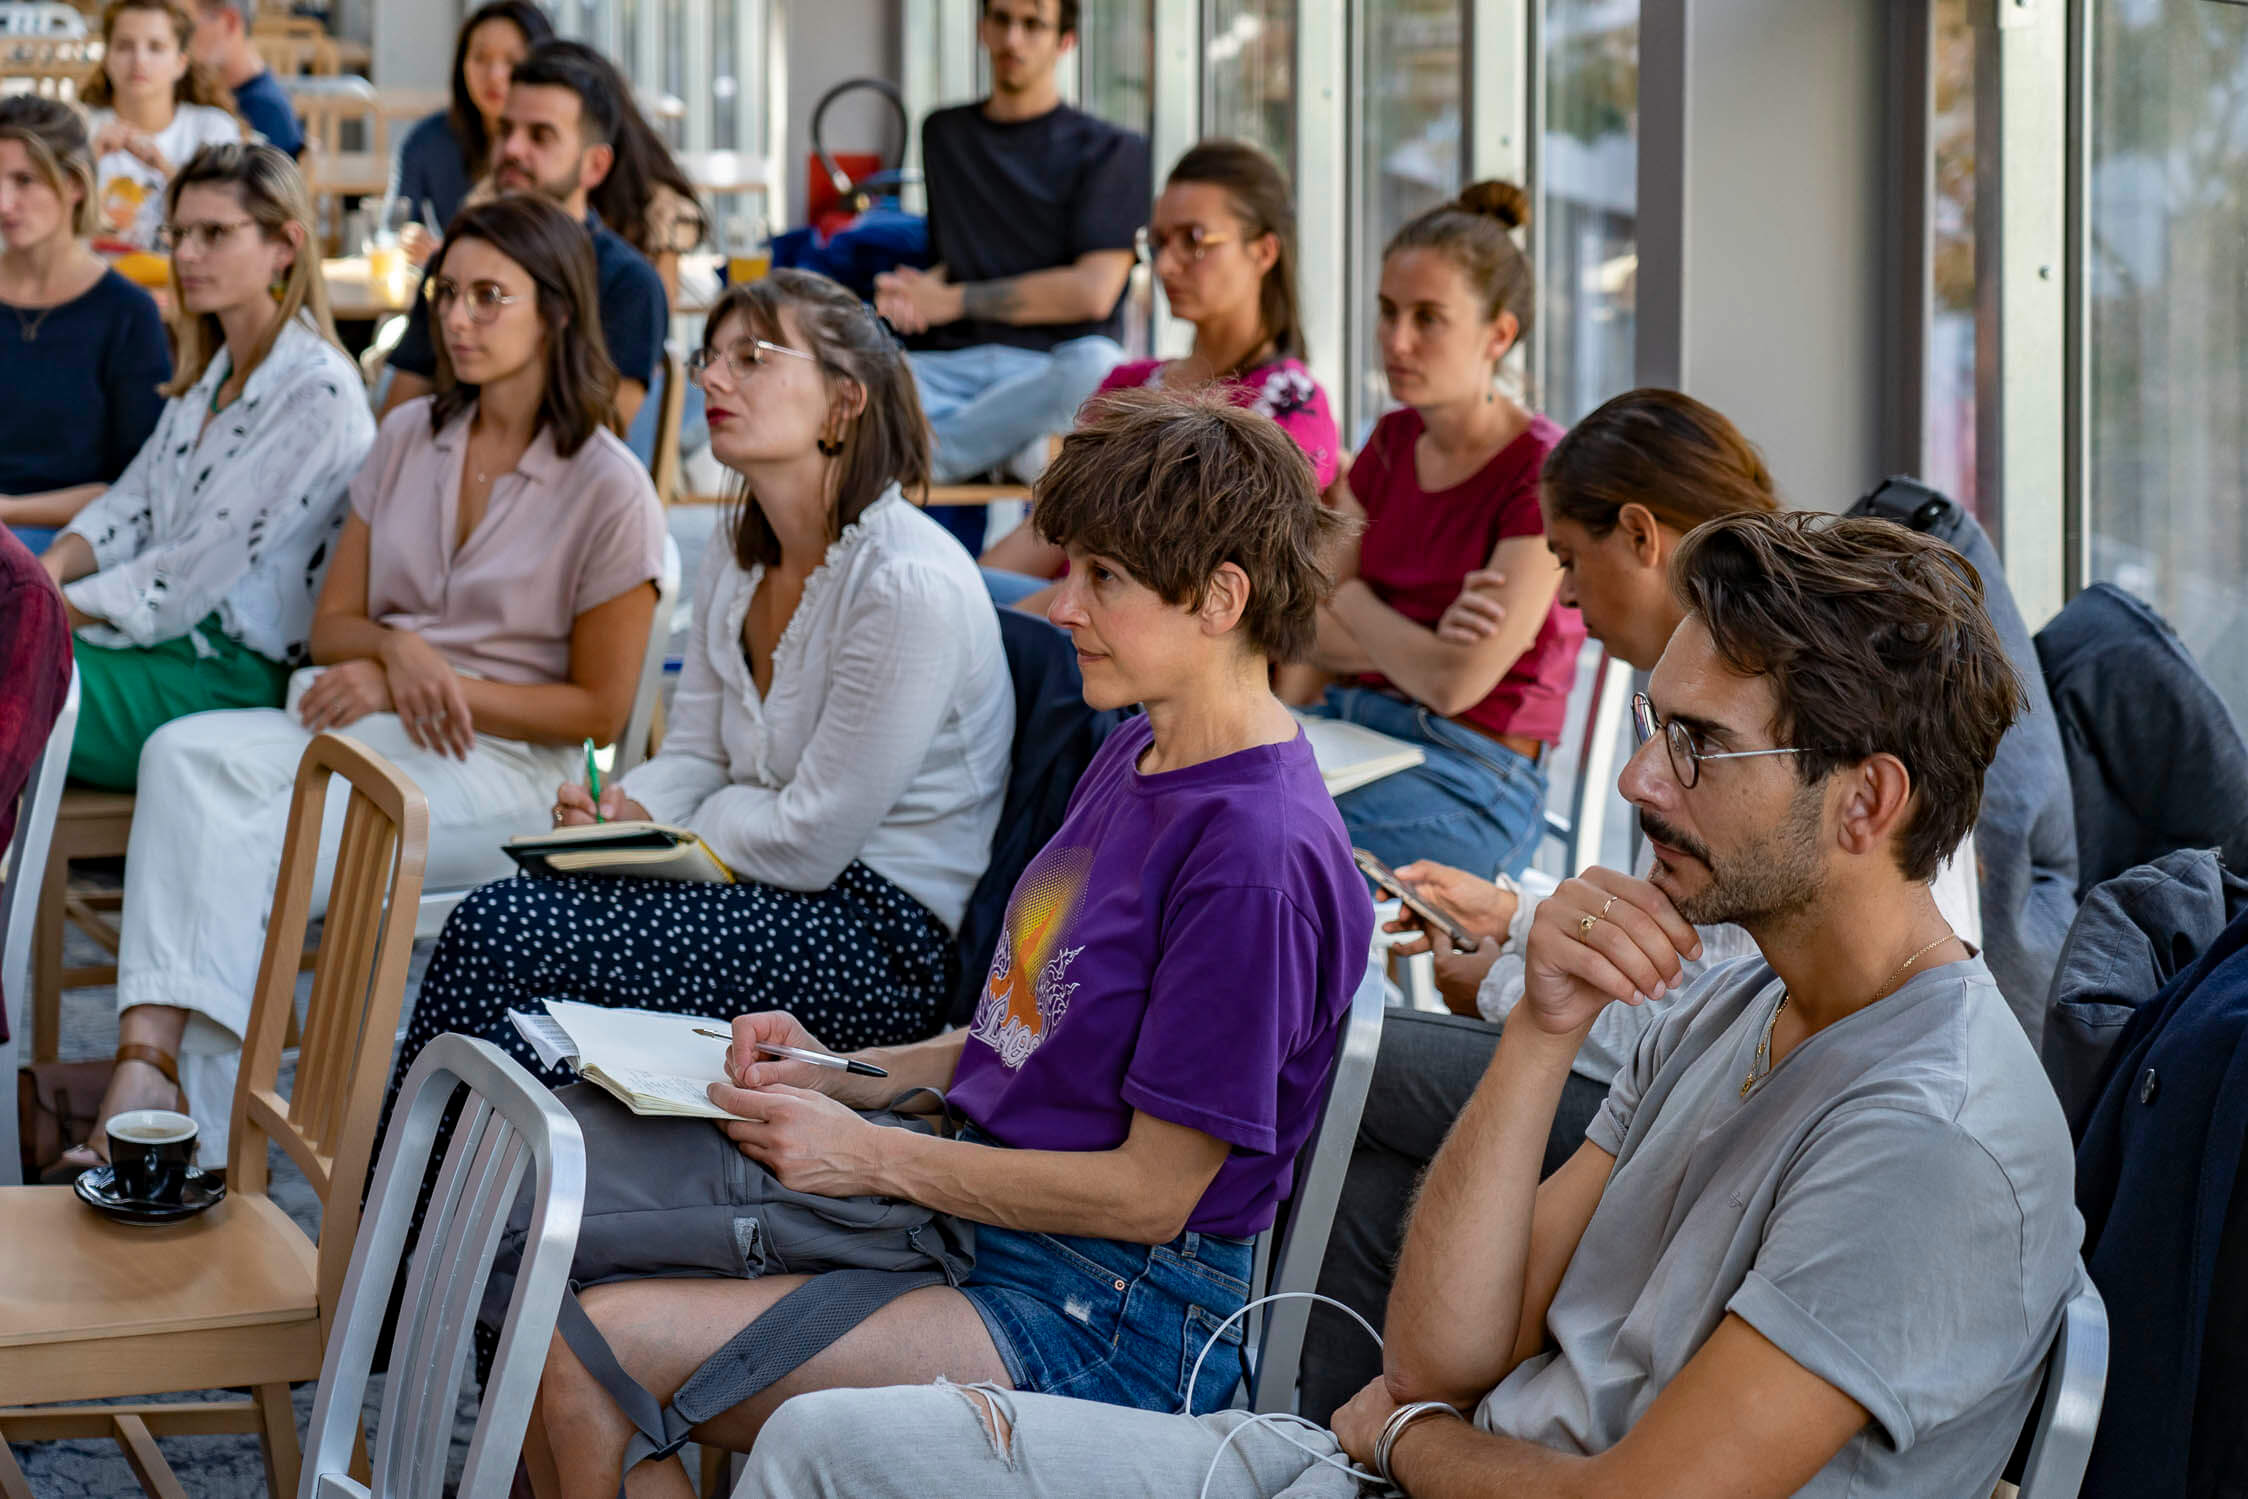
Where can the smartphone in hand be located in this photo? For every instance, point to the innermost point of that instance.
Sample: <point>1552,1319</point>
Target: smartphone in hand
<point>1386,878</point>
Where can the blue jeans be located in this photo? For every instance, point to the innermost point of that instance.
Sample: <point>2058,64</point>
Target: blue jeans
<point>1473,804</point>
<point>985,404</point>
<point>36,539</point>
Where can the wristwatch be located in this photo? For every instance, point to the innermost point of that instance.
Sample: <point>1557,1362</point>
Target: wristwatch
<point>1399,1419</point>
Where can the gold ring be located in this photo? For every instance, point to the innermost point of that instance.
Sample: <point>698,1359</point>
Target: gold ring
<point>1604,906</point>
<point>1585,924</point>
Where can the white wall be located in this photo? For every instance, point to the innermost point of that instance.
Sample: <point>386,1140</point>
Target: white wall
<point>828,41</point>
<point>413,41</point>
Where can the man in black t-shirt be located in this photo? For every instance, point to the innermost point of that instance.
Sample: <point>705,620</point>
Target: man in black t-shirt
<point>1033,211</point>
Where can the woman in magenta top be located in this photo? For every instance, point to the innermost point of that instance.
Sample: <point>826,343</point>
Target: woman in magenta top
<point>1223,240</point>
<point>1448,486</point>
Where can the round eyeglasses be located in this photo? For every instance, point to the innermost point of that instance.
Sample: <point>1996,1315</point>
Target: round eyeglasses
<point>1685,756</point>
<point>172,238</point>
<point>750,354</point>
<point>483,298</point>
<point>1191,243</point>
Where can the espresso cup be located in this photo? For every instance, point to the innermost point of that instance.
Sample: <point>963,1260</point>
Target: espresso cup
<point>149,1153</point>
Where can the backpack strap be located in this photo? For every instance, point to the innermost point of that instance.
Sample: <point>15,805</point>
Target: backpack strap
<point>805,1321</point>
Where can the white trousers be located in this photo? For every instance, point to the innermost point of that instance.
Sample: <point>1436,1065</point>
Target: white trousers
<point>205,856</point>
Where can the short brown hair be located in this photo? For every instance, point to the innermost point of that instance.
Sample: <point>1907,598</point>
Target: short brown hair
<point>1661,449</point>
<point>1876,642</point>
<point>557,254</point>
<point>1173,486</point>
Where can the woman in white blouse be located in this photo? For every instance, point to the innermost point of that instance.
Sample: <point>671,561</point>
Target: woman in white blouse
<point>840,739</point>
<point>487,612</point>
<point>191,580</point>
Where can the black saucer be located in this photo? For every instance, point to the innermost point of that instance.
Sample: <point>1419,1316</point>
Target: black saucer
<point>97,1188</point>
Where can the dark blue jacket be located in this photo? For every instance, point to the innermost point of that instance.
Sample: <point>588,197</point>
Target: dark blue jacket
<point>2155,1174</point>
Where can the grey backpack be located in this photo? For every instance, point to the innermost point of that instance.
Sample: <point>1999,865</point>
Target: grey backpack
<point>675,1198</point>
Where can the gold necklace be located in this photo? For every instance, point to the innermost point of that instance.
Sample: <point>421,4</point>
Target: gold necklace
<point>1761,1067</point>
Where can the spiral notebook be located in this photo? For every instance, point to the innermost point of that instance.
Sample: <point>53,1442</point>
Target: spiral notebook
<point>642,850</point>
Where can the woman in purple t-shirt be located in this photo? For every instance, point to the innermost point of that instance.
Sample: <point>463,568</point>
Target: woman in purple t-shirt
<point>1223,241</point>
<point>1156,1029</point>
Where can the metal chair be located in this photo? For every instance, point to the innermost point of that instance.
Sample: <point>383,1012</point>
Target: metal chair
<point>2068,1412</point>
<point>1578,831</point>
<point>1288,1254</point>
<point>19,903</point>
<point>511,1125</point>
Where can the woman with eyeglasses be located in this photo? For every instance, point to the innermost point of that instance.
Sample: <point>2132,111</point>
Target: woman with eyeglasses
<point>840,738</point>
<point>1222,240</point>
<point>1619,492</point>
<point>486,612</point>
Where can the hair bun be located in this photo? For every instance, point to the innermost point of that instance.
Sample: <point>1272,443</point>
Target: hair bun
<point>1503,201</point>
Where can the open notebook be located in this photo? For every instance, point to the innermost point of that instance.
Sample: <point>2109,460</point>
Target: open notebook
<point>644,850</point>
<point>653,1063</point>
<point>1351,755</point>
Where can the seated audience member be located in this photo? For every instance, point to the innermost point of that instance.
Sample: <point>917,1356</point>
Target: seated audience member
<point>1033,208</point>
<point>1449,488</point>
<point>191,579</point>
<point>34,682</point>
<point>1819,1237</point>
<point>1155,1034</point>
<point>150,107</point>
<point>1619,493</point>
<point>1224,243</point>
<point>446,154</point>
<point>82,350</point>
<point>484,616</point>
<point>558,139</point>
<point>839,740</point>
<point>646,193</point>
<point>222,44</point>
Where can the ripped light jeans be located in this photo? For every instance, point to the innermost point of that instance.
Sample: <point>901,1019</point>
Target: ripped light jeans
<point>944,1439</point>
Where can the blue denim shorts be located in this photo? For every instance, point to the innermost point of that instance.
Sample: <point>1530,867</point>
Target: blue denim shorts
<point>1109,1321</point>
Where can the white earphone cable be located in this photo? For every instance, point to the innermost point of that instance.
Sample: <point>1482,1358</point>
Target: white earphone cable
<point>1274,1419</point>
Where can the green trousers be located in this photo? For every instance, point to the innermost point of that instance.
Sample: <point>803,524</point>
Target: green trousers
<point>126,693</point>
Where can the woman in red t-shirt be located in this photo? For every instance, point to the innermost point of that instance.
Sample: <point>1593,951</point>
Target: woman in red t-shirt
<point>1448,486</point>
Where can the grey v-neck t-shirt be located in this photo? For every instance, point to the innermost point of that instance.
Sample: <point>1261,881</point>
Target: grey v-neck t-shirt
<point>1892,1206</point>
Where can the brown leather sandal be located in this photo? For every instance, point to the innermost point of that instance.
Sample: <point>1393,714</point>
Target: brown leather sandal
<point>66,1167</point>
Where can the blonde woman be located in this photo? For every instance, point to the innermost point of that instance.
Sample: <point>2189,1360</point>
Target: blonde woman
<point>190,581</point>
<point>82,349</point>
<point>150,107</point>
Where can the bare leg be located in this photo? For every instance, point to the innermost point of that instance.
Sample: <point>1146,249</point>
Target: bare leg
<point>663,1330</point>
<point>138,1085</point>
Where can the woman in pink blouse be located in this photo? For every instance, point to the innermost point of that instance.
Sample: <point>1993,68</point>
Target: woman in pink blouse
<point>485,612</point>
<point>1223,241</point>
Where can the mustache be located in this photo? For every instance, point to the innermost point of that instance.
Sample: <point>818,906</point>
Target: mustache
<point>1658,831</point>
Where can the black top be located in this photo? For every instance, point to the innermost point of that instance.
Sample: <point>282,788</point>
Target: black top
<point>265,104</point>
<point>81,382</point>
<point>634,313</point>
<point>430,170</point>
<point>1008,198</point>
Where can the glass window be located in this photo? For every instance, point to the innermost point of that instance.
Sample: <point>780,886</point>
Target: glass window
<point>2168,327</point>
<point>1409,154</point>
<point>1116,62</point>
<point>1587,255</point>
<point>1949,442</point>
<point>1248,72</point>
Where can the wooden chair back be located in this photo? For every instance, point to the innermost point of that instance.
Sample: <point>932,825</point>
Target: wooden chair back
<point>327,1122</point>
<point>669,416</point>
<point>290,55</point>
<point>325,115</point>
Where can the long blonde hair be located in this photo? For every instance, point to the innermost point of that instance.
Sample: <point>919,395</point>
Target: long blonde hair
<point>273,194</point>
<point>198,85</point>
<point>54,136</point>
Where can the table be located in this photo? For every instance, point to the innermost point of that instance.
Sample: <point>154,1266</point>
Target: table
<point>354,296</point>
<point>721,173</point>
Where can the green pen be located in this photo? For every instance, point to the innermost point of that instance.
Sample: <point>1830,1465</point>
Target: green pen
<point>593,780</point>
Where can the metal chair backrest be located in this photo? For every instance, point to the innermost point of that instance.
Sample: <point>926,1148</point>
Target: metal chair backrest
<point>2068,1411</point>
<point>665,466</point>
<point>327,1122</point>
<point>510,1125</point>
<point>1288,1254</point>
<point>1591,792</point>
<point>633,747</point>
<point>19,903</point>
<point>42,18</point>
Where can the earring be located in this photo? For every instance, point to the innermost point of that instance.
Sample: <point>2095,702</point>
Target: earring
<point>831,447</point>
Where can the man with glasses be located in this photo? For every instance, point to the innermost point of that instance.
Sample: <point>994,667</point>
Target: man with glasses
<point>557,138</point>
<point>1033,206</point>
<point>1818,1238</point>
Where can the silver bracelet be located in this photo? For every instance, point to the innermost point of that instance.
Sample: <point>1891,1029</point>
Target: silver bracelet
<point>1399,1419</point>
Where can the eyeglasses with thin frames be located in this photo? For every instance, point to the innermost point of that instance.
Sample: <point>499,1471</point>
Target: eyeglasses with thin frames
<point>484,299</point>
<point>1192,243</point>
<point>205,237</point>
<point>1685,757</point>
<point>750,354</point>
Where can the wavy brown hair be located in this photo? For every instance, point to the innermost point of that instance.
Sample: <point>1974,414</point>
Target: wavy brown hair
<point>198,85</point>
<point>1660,449</point>
<point>579,395</point>
<point>1876,642</point>
<point>272,192</point>
<point>1172,486</point>
<point>886,443</point>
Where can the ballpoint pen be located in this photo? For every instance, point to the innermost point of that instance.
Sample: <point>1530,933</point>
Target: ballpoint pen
<point>799,1054</point>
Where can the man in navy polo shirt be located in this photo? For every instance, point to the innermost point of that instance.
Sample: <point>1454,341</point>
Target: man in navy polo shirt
<point>557,137</point>
<point>222,44</point>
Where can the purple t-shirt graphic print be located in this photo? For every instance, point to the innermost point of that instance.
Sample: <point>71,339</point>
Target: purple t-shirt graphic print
<point>1186,946</point>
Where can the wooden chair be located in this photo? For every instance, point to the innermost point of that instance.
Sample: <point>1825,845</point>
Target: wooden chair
<point>88,825</point>
<point>287,55</point>
<point>238,1297</point>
